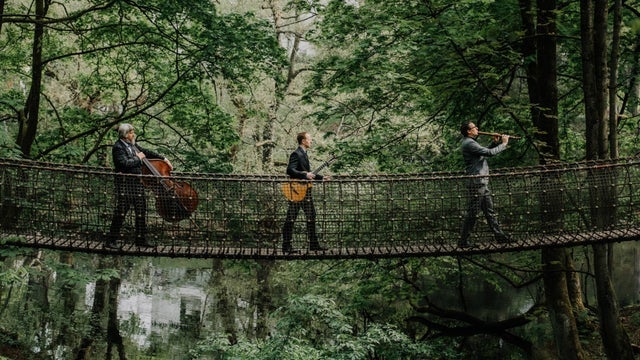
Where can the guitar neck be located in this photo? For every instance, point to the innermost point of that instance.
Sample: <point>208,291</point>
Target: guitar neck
<point>316,171</point>
<point>324,165</point>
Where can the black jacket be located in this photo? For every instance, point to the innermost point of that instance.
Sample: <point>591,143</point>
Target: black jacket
<point>125,160</point>
<point>299,165</point>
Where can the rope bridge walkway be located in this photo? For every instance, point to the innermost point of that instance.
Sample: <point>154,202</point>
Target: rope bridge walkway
<point>69,207</point>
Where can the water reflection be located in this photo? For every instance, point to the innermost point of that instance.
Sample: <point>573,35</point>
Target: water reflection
<point>159,303</point>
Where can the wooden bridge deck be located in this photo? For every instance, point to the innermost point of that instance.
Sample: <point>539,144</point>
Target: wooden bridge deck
<point>227,252</point>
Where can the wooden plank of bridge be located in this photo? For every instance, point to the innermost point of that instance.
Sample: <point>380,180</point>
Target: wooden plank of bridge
<point>531,242</point>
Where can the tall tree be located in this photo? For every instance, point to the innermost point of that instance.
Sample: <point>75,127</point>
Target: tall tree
<point>600,143</point>
<point>225,304</point>
<point>28,120</point>
<point>540,46</point>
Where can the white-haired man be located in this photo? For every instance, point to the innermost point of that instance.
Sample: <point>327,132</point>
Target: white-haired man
<point>127,159</point>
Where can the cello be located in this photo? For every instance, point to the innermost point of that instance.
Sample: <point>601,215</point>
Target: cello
<point>175,200</point>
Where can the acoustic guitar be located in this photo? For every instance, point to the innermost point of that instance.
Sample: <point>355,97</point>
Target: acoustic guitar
<point>296,190</point>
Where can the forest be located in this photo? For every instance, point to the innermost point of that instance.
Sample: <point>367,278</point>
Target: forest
<point>224,86</point>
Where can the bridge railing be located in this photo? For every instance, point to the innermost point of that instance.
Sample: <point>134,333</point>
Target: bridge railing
<point>70,207</point>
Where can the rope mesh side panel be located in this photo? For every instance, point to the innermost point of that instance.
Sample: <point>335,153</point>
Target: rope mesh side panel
<point>70,207</point>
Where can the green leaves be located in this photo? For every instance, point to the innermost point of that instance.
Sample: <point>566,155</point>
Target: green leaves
<point>315,327</point>
<point>154,64</point>
<point>388,66</point>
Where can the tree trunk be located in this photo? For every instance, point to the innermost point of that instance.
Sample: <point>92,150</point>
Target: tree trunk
<point>1,13</point>
<point>613,79</point>
<point>267,136</point>
<point>28,116</point>
<point>225,307</point>
<point>267,140</point>
<point>29,124</point>
<point>242,117</point>
<point>540,41</point>
<point>113,325</point>
<point>593,14</point>
<point>263,298</point>
<point>615,339</point>
<point>560,311</point>
<point>574,285</point>
<point>280,87</point>
<point>70,300</point>
<point>600,78</point>
<point>38,295</point>
<point>588,83</point>
<point>97,319</point>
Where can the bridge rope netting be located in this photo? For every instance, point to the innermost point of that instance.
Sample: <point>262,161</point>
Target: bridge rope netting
<point>69,207</point>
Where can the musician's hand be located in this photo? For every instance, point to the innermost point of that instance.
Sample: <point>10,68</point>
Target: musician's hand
<point>140,155</point>
<point>326,178</point>
<point>311,175</point>
<point>496,138</point>
<point>505,139</point>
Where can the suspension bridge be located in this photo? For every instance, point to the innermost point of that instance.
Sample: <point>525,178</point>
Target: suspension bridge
<point>69,208</point>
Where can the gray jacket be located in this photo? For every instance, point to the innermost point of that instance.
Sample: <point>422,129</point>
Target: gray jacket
<point>475,158</point>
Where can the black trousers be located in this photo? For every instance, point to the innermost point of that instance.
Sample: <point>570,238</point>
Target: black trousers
<point>480,199</point>
<point>129,191</point>
<point>292,213</point>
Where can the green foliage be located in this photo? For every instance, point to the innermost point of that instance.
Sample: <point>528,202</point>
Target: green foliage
<point>13,276</point>
<point>155,65</point>
<point>395,76</point>
<point>12,251</point>
<point>313,327</point>
<point>391,82</point>
<point>398,79</point>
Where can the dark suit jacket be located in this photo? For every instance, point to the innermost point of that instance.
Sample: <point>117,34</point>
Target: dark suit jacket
<point>299,165</point>
<point>125,161</point>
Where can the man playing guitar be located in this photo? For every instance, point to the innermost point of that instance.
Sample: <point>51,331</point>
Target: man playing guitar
<point>300,168</point>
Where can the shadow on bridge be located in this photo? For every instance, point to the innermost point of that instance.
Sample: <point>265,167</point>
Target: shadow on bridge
<point>69,207</point>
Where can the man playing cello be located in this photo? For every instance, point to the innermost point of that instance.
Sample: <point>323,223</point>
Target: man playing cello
<point>127,159</point>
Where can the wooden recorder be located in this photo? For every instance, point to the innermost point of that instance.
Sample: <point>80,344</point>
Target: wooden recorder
<point>496,134</point>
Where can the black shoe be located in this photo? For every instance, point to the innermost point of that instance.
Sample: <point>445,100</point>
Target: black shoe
<point>289,251</point>
<point>464,242</point>
<point>503,238</point>
<point>143,243</point>
<point>112,245</point>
